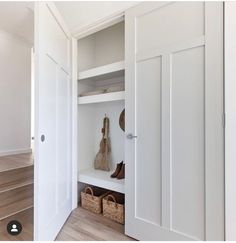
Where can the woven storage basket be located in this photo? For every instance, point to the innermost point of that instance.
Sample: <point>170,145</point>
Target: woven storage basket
<point>91,198</point>
<point>113,207</point>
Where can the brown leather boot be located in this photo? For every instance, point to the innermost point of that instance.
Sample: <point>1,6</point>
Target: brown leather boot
<point>118,168</point>
<point>121,174</point>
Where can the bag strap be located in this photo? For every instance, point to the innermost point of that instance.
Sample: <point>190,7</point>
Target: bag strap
<point>88,188</point>
<point>106,127</point>
<point>110,196</point>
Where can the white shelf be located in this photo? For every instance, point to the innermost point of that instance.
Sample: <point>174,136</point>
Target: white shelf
<point>113,96</point>
<point>103,72</point>
<point>101,179</point>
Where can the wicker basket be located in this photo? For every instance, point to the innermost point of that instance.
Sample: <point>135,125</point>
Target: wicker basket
<point>113,207</point>
<point>91,199</point>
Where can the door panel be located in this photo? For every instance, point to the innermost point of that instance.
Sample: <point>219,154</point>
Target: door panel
<point>174,102</point>
<point>58,43</point>
<point>182,20</point>
<point>63,136</point>
<point>52,195</point>
<point>47,116</point>
<point>148,92</point>
<point>187,142</point>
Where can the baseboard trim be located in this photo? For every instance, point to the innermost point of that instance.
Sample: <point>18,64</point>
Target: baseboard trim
<point>17,151</point>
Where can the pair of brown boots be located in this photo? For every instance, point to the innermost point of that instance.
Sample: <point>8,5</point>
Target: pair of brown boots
<point>120,171</point>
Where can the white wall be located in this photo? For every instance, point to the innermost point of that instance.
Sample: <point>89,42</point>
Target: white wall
<point>18,18</point>
<point>230,129</point>
<point>101,48</point>
<point>15,94</point>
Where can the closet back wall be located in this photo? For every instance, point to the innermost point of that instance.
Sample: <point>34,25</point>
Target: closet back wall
<point>101,48</point>
<point>15,94</point>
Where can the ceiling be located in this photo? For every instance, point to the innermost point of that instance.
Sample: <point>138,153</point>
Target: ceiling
<point>79,14</point>
<point>17,18</point>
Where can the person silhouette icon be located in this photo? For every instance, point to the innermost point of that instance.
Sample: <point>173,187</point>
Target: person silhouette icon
<point>14,228</point>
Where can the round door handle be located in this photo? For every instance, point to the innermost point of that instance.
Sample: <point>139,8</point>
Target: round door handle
<point>42,138</point>
<point>131,136</point>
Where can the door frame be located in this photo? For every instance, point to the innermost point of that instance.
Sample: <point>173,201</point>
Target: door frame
<point>92,28</point>
<point>230,119</point>
<point>74,75</point>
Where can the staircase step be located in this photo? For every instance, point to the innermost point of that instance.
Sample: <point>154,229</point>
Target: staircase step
<point>16,174</point>
<point>15,200</point>
<point>15,184</point>
<point>25,217</point>
<point>16,207</point>
<point>16,195</point>
<point>16,161</point>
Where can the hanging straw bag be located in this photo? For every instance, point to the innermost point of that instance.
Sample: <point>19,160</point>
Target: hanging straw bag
<point>102,160</point>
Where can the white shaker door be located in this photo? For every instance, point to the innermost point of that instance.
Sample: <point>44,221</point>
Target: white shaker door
<point>174,105</point>
<point>52,194</point>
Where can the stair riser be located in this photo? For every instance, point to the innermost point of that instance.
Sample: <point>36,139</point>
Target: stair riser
<point>16,195</point>
<point>16,174</point>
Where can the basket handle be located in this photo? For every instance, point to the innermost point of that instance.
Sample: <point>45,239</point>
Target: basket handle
<point>88,188</point>
<point>113,199</point>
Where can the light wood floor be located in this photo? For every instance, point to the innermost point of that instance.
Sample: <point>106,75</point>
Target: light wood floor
<point>81,225</point>
<point>86,226</point>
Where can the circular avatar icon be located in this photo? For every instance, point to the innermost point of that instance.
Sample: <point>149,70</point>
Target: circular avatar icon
<point>14,227</point>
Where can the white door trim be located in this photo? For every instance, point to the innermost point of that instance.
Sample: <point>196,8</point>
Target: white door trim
<point>101,23</point>
<point>74,126</point>
<point>59,18</point>
<point>230,120</point>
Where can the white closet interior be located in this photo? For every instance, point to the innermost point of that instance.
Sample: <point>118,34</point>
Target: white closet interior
<point>100,67</point>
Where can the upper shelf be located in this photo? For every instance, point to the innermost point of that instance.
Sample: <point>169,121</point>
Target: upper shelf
<point>106,97</point>
<point>112,70</point>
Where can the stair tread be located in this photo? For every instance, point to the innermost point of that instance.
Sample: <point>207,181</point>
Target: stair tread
<point>16,207</point>
<point>26,219</point>
<point>15,162</point>
<point>16,184</point>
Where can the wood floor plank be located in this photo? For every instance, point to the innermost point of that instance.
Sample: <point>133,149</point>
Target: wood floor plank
<point>87,226</point>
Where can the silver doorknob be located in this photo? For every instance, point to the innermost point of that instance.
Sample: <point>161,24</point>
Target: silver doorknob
<point>131,136</point>
<point>42,138</point>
